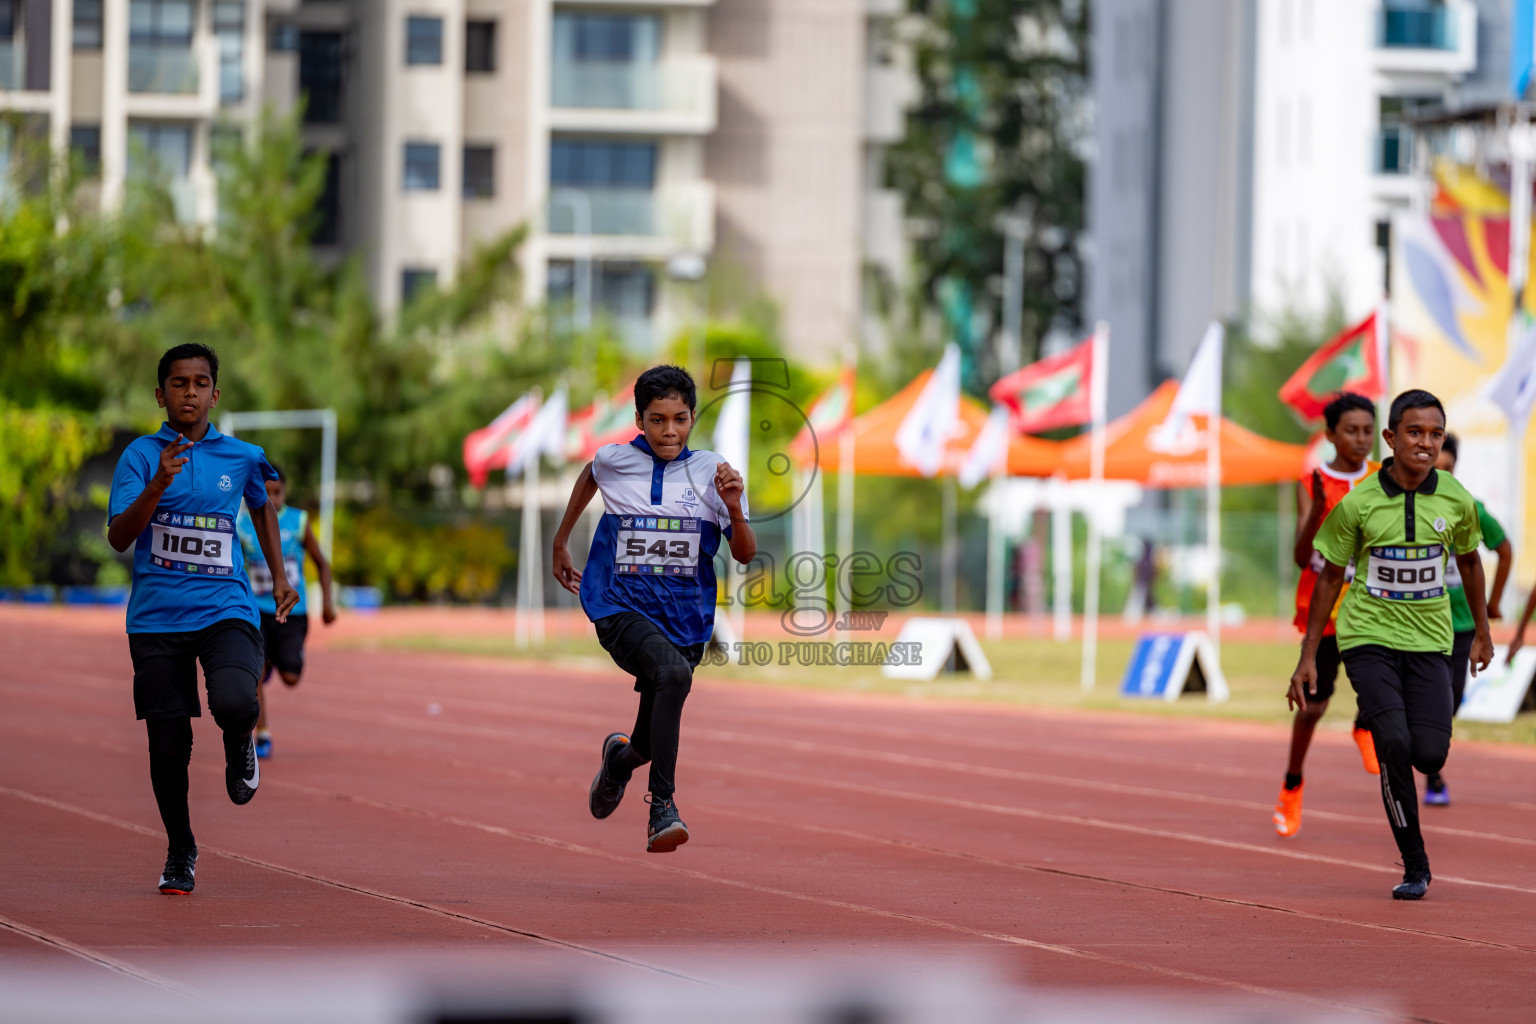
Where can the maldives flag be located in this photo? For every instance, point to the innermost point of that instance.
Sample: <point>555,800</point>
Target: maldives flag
<point>830,414</point>
<point>606,421</point>
<point>1349,362</point>
<point>1050,393</point>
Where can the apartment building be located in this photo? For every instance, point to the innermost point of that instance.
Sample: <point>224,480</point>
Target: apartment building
<point>142,86</point>
<point>1250,154</point>
<point>645,143</point>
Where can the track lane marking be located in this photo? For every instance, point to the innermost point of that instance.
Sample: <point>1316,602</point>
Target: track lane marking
<point>100,959</point>
<point>406,901</point>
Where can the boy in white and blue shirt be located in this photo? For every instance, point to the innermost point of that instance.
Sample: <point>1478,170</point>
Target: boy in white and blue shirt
<point>175,495</point>
<point>649,581</point>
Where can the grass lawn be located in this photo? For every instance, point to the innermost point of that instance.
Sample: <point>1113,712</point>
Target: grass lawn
<point>1029,672</point>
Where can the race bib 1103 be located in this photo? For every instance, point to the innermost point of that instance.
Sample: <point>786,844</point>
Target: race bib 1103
<point>193,544</point>
<point>1412,573</point>
<point>657,546</point>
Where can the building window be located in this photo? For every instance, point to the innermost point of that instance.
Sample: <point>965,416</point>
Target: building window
<point>320,76</point>
<point>414,281</point>
<point>8,12</point>
<point>479,172</point>
<point>159,148</point>
<point>88,24</point>
<point>229,30</point>
<point>85,146</point>
<point>422,165</point>
<point>480,47</point>
<point>161,22</point>
<point>609,38</point>
<point>423,40</point>
<point>599,163</point>
<point>282,37</point>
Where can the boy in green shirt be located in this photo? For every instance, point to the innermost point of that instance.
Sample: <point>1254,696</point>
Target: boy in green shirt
<point>1462,626</point>
<point>1400,527</point>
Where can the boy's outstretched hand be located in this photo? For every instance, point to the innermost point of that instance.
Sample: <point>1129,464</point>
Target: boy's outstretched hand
<point>565,570</point>
<point>729,486</point>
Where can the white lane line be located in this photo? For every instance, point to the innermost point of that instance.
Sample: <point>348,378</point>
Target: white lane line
<point>100,959</point>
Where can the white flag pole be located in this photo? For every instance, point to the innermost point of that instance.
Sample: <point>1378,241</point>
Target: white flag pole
<point>845,456</point>
<point>1061,559</point>
<point>995,552</point>
<point>1098,401</point>
<point>528,554</point>
<point>1522,148</point>
<point>1213,496</point>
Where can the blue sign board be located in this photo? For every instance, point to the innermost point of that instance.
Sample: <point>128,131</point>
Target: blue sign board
<point>1150,672</point>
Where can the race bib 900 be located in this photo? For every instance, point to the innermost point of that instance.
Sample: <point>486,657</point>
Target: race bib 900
<point>194,544</point>
<point>1415,573</point>
<point>657,546</point>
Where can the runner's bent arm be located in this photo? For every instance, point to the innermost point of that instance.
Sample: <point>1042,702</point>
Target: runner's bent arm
<point>731,488</point>
<point>1310,506</point>
<point>270,537</point>
<point>581,495</point>
<point>1506,553</point>
<point>323,570</point>
<point>1324,593</point>
<point>1472,574</point>
<point>1519,640</point>
<point>129,523</point>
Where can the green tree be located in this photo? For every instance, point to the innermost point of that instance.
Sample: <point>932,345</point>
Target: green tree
<point>998,130</point>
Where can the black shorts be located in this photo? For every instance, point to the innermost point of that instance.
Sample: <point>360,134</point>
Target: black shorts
<point>637,645</point>
<point>1416,682</point>
<point>1461,657</point>
<point>285,642</point>
<point>165,666</point>
<point>1327,668</point>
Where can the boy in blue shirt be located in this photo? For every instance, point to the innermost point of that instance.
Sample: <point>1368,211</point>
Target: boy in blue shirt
<point>175,495</point>
<point>283,641</point>
<point>649,581</point>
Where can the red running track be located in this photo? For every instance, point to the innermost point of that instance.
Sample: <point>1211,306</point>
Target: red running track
<point>1102,850</point>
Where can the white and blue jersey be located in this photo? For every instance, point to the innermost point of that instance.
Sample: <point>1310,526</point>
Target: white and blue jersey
<point>188,570</point>
<point>291,523</point>
<point>654,551</point>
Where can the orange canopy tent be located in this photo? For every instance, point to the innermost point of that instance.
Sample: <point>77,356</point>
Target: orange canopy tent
<point>1132,453</point>
<point>876,454</point>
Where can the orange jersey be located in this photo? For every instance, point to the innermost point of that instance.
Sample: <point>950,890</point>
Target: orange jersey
<point>1335,486</point>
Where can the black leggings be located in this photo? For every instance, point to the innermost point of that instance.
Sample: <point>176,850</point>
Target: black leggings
<point>663,674</point>
<point>1405,700</point>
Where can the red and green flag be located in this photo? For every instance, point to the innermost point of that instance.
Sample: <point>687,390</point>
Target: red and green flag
<point>606,421</point>
<point>831,413</point>
<point>1351,361</point>
<point>1050,393</point>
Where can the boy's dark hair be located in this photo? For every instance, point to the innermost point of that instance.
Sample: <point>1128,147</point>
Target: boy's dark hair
<point>1450,445</point>
<point>1343,402</point>
<point>1415,399</point>
<point>191,350</point>
<point>279,471</point>
<point>663,382</point>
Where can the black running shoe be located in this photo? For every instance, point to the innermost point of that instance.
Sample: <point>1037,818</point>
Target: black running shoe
<point>667,830</point>
<point>607,786</point>
<point>242,778</point>
<point>1414,885</point>
<point>180,868</point>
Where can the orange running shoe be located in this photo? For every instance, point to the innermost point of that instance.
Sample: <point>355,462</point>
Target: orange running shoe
<point>1367,750</point>
<point>1288,811</point>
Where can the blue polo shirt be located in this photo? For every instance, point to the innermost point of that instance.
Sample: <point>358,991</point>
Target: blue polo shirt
<point>188,570</point>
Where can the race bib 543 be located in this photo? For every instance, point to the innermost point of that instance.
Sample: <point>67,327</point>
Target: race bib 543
<point>1411,573</point>
<point>657,546</point>
<point>195,544</point>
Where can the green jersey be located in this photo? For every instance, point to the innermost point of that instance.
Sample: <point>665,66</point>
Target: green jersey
<point>1461,612</point>
<point>1400,542</point>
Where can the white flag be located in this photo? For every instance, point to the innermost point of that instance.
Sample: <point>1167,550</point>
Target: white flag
<point>733,436</point>
<point>545,435</point>
<point>933,418</point>
<point>1199,394</point>
<point>1513,388</point>
<point>991,447</point>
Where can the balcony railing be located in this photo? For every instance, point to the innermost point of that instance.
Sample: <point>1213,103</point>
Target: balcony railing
<point>1393,151</point>
<point>1417,28</point>
<point>614,211</point>
<point>170,70</point>
<point>13,66</point>
<point>671,85</point>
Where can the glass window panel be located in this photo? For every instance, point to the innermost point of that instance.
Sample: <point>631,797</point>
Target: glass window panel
<point>413,281</point>
<point>423,40</point>
<point>479,171</point>
<point>595,163</point>
<point>480,46</point>
<point>422,166</point>
<point>229,14</point>
<point>87,26</point>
